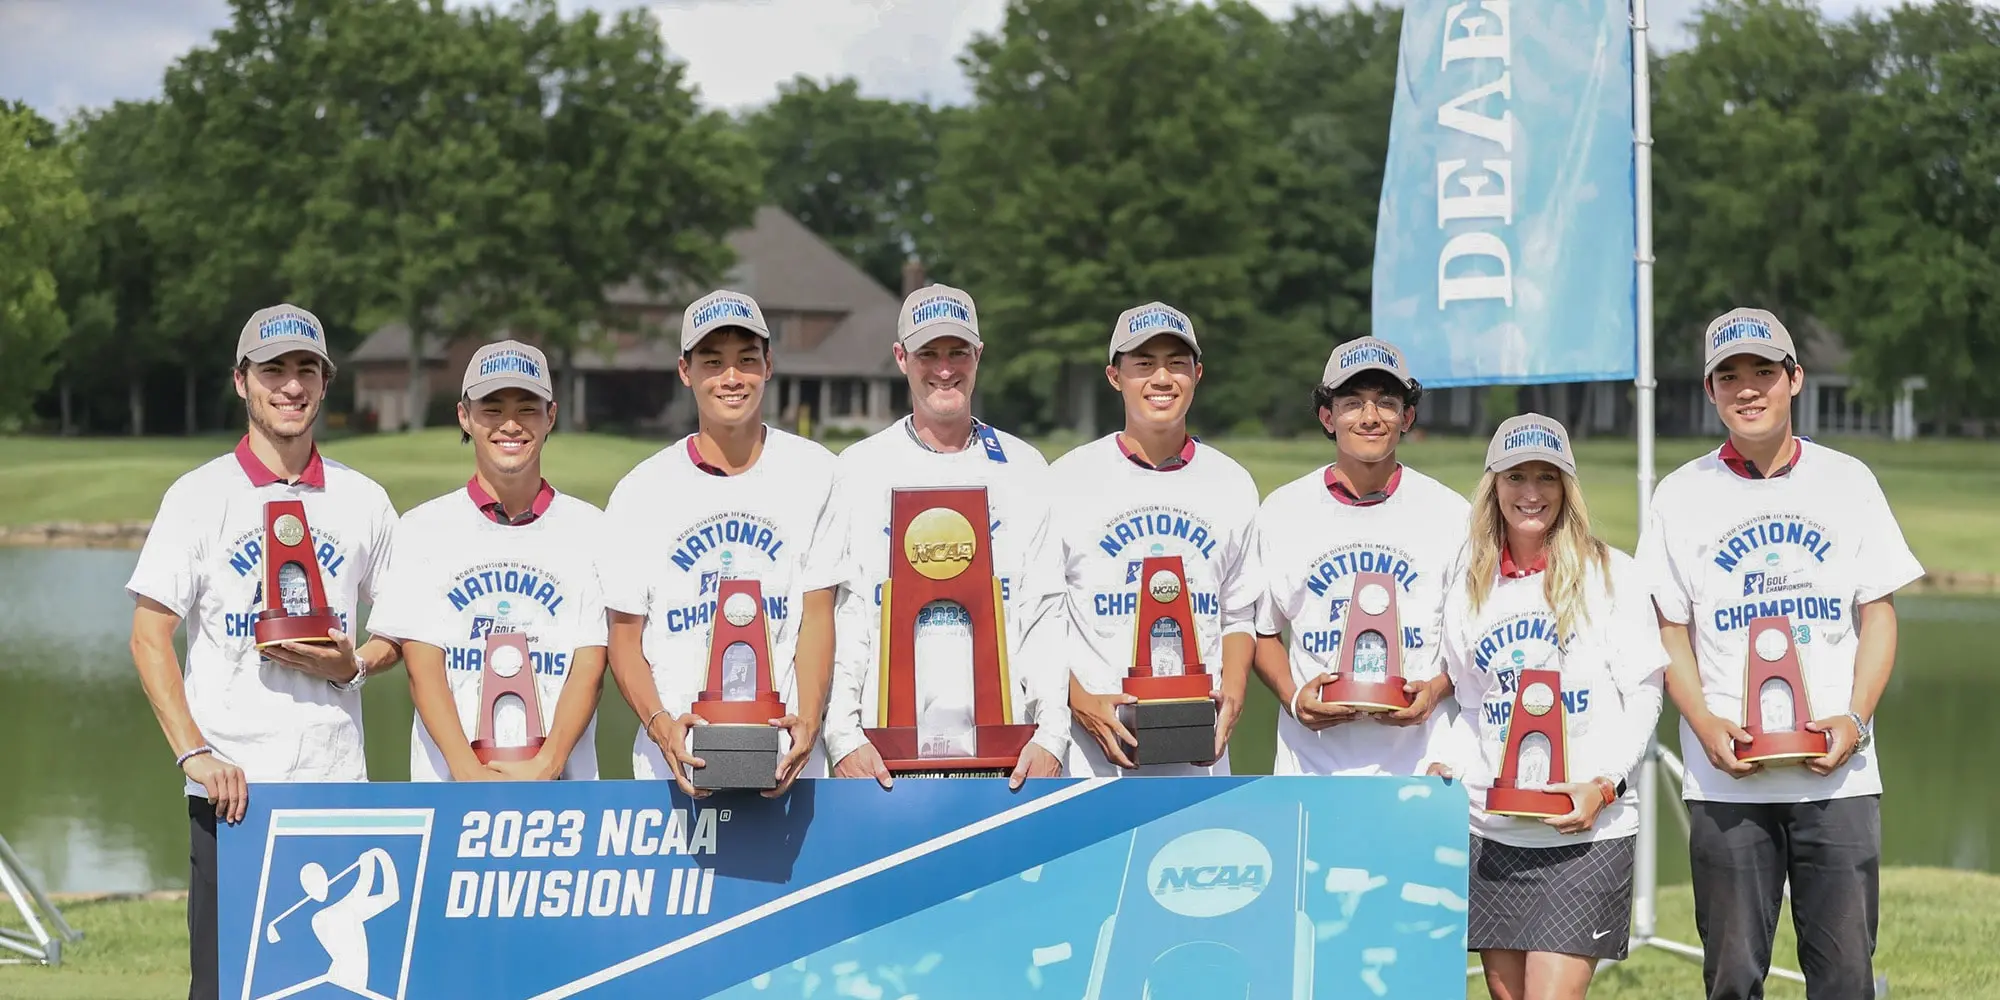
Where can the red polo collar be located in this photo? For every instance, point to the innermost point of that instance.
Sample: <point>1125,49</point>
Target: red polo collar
<point>1513,572</point>
<point>1172,462</point>
<point>260,475</point>
<point>497,512</point>
<point>694,455</point>
<point>1346,495</point>
<point>1748,470</point>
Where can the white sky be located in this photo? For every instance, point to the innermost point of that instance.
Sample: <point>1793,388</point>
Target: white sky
<point>61,55</point>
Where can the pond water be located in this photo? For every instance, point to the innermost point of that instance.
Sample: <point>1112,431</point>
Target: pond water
<point>92,801</point>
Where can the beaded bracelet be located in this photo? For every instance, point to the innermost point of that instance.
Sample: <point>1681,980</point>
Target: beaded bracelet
<point>182,760</point>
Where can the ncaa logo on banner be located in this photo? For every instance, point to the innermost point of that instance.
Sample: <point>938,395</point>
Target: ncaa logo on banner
<point>337,903</point>
<point>1209,873</point>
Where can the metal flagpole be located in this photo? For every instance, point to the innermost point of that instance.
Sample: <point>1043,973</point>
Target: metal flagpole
<point>1646,855</point>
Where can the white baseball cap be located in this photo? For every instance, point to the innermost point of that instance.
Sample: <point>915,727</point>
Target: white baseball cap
<point>935,311</point>
<point>280,329</point>
<point>720,309</point>
<point>1530,437</point>
<point>1137,325</point>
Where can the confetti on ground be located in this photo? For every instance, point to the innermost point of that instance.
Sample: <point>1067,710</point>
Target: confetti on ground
<point>1452,856</point>
<point>1378,956</point>
<point>761,982</point>
<point>1408,792</point>
<point>928,962</point>
<point>1443,931</point>
<point>845,968</point>
<point>1372,979</point>
<point>1034,977</point>
<point>1312,867</point>
<point>860,988</point>
<point>1032,875</point>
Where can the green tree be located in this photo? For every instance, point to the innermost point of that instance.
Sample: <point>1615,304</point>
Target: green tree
<point>40,203</point>
<point>855,170</point>
<point>1113,156</point>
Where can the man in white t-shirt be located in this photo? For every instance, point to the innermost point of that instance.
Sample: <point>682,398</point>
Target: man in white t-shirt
<point>504,553</point>
<point>938,347</point>
<point>1767,525</point>
<point>291,711</point>
<point>1364,513</point>
<point>1151,489</point>
<point>737,499</point>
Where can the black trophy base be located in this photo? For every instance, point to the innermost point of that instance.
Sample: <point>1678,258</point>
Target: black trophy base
<point>1171,732</point>
<point>734,756</point>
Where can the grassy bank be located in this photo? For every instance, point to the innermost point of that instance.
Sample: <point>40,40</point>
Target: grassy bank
<point>1937,929</point>
<point>1941,490</point>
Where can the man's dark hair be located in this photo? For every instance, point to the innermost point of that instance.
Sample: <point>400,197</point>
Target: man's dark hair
<point>1323,394</point>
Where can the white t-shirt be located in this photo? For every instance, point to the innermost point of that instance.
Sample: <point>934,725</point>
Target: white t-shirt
<point>1612,670</point>
<point>673,532</point>
<point>1026,557</point>
<point>458,576</point>
<point>1310,545</point>
<point>203,560</point>
<point>1813,544</point>
<point>1111,514</point>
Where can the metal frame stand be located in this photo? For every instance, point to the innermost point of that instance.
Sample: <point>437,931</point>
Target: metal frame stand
<point>40,947</point>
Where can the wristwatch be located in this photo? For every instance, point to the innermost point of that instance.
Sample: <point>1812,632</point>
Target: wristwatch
<point>1866,735</point>
<point>354,683</point>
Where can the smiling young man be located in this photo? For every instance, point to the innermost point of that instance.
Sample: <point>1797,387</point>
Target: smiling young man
<point>736,499</point>
<point>291,711</point>
<point>1364,513</point>
<point>938,347</point>
<point>503,553</point>
<point>1151,489</point>
<point>1767,525</point>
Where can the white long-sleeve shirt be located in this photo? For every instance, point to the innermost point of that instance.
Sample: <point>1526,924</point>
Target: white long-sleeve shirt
<point>1111,514</point>
<point>1026,558</point>
<point>1612,669</point>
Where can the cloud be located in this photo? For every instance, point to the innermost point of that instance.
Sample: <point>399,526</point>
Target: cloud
<point>64,55</point>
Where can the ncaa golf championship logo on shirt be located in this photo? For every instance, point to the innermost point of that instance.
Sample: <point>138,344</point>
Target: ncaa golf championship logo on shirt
<point>246,562</point>
<point>723,547</point>
<point>337,903</point>
<point>1525,641</point>
<point>1329,579</point>
<point>1776,561</point>
<point>1209,873</point>
<point>507,597</point>
<point>1158,530</point>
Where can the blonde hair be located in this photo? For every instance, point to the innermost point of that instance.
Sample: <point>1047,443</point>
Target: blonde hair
<point>1570,548</point>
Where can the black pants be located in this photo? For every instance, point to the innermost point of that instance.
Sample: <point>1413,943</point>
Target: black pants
<point>1742,853</point>
<point>202,943</point>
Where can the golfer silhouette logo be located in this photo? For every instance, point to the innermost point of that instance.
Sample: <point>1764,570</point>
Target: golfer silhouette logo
<point>337,904</point>
<point>339,925</point>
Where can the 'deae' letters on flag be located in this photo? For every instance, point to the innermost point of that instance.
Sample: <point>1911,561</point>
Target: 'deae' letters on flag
<point>1288,887</point>
<point>1504,244</point>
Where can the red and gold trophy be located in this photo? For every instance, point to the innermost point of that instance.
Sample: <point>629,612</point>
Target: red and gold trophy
<point>739,748</point>
<point>295,605</point>
<point>507,671</point>
<point>1536,756</point>
<point>1369,675</point>
<point>1173,721</point>
<point>1775,703</point>
<point>941,553</point>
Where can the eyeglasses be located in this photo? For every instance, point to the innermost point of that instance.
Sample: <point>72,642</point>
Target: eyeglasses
<point>1350,405</point>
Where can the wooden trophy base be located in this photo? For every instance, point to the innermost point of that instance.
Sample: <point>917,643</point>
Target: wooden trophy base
<point>274,626</point>
<point>1783,748</point>
<point>1170,731</point>
<point>1368,696</point>
<point>487,753</point>
<point>1528,803</point>
<point>735,755</point>
<point>996,752</point>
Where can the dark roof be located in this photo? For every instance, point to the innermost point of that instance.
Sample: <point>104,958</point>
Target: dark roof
<point>781,264</point>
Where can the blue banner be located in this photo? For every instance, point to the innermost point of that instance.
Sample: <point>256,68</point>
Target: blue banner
<point>1285,887</point>
<point>1505,239</point>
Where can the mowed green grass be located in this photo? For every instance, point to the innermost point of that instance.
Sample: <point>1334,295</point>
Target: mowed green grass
<point>1936,942</point>
<point>1943,491</point>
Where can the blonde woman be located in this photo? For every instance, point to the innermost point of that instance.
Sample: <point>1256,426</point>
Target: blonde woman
<point>1550,894</point>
